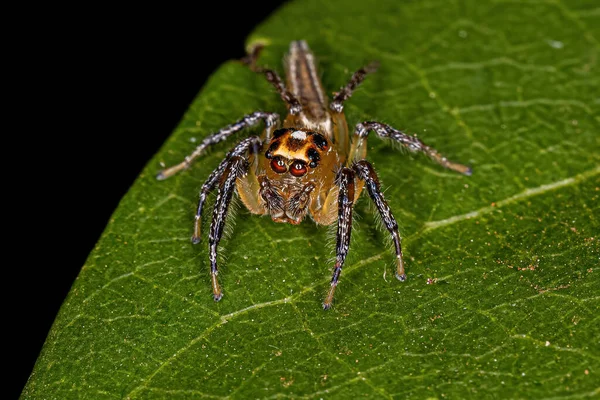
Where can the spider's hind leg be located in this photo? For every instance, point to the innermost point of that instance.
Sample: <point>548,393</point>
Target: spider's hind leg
<point>337,105</point>
<point>274,79</point>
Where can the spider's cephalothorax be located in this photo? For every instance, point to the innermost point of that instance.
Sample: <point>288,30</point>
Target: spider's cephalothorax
<point>308,166</point>
<point>298,165</point>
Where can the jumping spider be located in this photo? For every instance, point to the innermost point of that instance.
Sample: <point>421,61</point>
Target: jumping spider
<point>308,166</point>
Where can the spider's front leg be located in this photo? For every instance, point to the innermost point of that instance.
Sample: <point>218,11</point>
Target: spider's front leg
<point>235,165</point>
<point>344,229</point>
<point>251,144</point>
<point>364,170</point>
<point>270,119</point>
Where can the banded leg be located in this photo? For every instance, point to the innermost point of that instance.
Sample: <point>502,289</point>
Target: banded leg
<point>248,145</point>
<point>344,229</point>
<point>234,167</point>
<point>344,94</point>
<point>274,79</point>
<point>410,142</point>
<point>364,170</point>
<point>248,121</point>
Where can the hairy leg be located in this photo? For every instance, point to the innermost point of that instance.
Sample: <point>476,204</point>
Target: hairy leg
<point>364,170</point>
<point>292,102</point>
<point>412,143</point>
<point>248,121</point>
<point>344,229</point>
<point>337,105</point>
<point>235,167</point>
<point>248,145</point>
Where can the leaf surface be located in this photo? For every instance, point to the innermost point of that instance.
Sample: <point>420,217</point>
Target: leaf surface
<point>502,297</point>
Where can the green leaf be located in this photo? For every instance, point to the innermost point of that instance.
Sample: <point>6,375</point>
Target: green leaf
<point>502,298</point>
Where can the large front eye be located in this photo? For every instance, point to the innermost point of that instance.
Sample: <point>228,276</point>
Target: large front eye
<point>278,165</point>
<point>298,168</point>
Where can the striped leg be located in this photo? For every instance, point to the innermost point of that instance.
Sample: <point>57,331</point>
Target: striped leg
<point>235,167</point>
<point>364,170</point>
<point>248,121</point>
<point>248,145</point>
<point>292,102</point>
<point>412,143</point>
<point>344,94</point>
<point>345,203</point>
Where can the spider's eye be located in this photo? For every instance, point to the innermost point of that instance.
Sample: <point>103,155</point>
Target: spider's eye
<point>298,168</point>
<point>278,165</point>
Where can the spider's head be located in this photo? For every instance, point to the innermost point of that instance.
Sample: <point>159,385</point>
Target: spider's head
<point>298,153</point>
<point>299,169</point>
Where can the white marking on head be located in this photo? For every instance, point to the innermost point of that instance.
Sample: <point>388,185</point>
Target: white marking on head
<point>299,135</point>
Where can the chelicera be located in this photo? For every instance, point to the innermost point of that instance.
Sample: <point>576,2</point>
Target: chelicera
<point>307,165</point>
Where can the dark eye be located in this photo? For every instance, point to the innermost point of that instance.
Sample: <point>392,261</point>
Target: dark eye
<point>298,168</point>
<point>278,165</point>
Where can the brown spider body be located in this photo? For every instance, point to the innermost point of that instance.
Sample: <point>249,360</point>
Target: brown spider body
<point>308,166</point>
<point>309,149</point>
<point>298,173</point>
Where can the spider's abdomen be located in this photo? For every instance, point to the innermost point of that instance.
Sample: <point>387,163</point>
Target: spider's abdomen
<point>303,80</point>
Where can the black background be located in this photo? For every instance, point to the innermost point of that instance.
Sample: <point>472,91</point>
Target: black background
<point>98,92</point>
